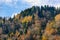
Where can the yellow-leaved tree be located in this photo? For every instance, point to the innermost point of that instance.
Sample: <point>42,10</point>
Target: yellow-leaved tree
<point>50,29</point>
<point>27,19</point>
<point>44,37</point>
<point>57,17</point>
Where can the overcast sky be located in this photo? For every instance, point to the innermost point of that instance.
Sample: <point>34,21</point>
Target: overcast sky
<point>10,7</point>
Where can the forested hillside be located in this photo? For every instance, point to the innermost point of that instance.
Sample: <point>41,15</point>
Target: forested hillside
<point>35,23</point>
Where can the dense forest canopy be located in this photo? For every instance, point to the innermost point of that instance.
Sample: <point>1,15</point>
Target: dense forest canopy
<point>35,23</point>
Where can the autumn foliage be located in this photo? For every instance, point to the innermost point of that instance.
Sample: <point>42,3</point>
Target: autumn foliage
<point>57,17</point>
<point>36,23</point>
<point>27,19</point>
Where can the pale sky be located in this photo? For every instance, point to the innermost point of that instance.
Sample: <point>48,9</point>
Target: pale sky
<point>10,7</point>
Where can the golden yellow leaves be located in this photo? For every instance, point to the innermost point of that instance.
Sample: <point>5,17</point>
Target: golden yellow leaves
<point>49,28</point>
<point>50,31</point>
<point>44,37</point>
<point>57,17</point>
<point>27,19</point>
